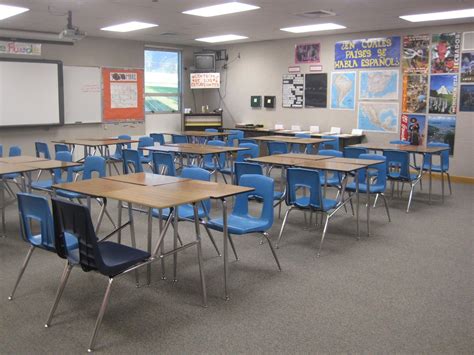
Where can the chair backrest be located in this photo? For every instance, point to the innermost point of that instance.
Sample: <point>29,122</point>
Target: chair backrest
<point>277,148</point>
<point>60,147</point>
<point>444,155</point>
<point>308,179</point>
<point>354,152</point>
<point>399,161</point>
<point>158,138</point>
<point>74,219</point>
<point>163,163</point>
<point>94,164</point>
<point>14,151</point>
<point>398,141</point>
<point>331,153</point>
<point>296,148</point>
<point>264,190</point>
<point>42,150</point>
<point>208,158</point>
<point>381,171</point>
<point>36,208</point>
<point>66,157</point>
<point>245,168</point>
<point>119,147</point>
<point>144,141</point>
<point>126,137</point>
<point>178,139</point>
<point>195,173</point>
<point>131,158</point>
<point>332,144</point>
<point>211,130</point>
<point>247,140</point>
<point>234,134</point>
<point>253,151</point>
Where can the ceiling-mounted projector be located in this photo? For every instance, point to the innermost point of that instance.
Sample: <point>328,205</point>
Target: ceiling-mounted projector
<point>72,33</point>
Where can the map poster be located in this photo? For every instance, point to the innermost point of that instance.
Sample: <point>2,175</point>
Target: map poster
<point>293,90</point>
<point>378,117</point>
<point>378,85</point>
<point>443,93</point>
<point>383,52</point>
<point>442,129</point>
<point>466,101</point>
<point>316,90</point>
<point>343,90</point>
<point>467,67</point>
<point>416,54</point>
<point>413,129</point>
<point>445,52</point>
<point>307,53</point>
<point>415,93</point>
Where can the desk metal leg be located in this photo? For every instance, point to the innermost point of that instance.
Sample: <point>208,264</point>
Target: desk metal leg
<point>132,237</point>
<point>226,251</point>
<point>442,185</point>
<point>429,172</point>
<point>357,203</point>
<point>2,192</point>
<point>199,255</point>
<point>368,202</point>
<point>149,239</point>
<point>162,248</point>
<point>119,222</point>
<point>175,242</point>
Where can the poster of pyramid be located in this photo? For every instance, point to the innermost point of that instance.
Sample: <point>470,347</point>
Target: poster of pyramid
<point>443,94</point>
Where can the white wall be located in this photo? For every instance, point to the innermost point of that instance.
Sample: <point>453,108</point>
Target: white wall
<point>259,72</point>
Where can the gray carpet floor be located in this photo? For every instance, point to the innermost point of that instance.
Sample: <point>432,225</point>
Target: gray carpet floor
<point>408,288</point>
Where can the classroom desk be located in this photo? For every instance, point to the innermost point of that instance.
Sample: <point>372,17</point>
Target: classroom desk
<point>146,179</point>
<point>168,195</point>
<point>195,135</point>
<point>290,141</point>
<point>20,159</point>
<point>416,149</point>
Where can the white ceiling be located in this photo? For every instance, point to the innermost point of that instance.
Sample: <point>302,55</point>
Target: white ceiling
<point>258,25</point>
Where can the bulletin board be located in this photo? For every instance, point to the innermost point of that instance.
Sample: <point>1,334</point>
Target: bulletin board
<point>123,97</point>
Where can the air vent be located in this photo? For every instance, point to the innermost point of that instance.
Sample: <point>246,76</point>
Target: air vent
<point>317,14</point>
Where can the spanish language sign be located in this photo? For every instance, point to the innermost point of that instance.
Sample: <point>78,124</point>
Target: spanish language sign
<point>383,52</point>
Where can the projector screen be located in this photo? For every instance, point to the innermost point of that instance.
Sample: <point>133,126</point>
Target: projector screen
<point>31,93</point>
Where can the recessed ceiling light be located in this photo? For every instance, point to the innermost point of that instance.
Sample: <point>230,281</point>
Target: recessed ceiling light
<point>313,28</point>
<point>221,9</point>
<point>436,16</point>
<point>129,26</point>
<point>7,11</point>
<point>223,38</point>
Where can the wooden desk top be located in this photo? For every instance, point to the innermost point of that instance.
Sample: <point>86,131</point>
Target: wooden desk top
<point>366,162</point>
<point>304,156</point>
<point>295,140</point>
<point>95,142</point>
<point>21,159</point>
<point>329,164</point>
<point>94,187</point>
<point>9,168</point>
<point>146,179</point>
<point>285,160</point>
<point>402,147</point>
<point>189,148</point>
<point>51,164</point>
<point>204,134</point>
<point>210,189</point>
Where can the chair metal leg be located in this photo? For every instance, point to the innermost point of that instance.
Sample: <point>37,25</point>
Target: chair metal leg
<point>199,256</point>
<point>99,220</point>
<point>98,322</point>
<point>22,270</point>
<point>132,237</point>
<point>265,234</point>
<point>59,293</point>
<point>375,200</point>
<point>323,235</point>
<point>393,187</point>
<point>283,226</point>
<point>233,246</point>
<point>119,221</point>
<point>410,198</point>
<point>351,204</point>
<point>386,206</point>
<point>212,239</point>
<point>449,183</point>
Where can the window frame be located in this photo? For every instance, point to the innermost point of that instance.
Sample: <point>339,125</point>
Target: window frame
<point>180,81</point>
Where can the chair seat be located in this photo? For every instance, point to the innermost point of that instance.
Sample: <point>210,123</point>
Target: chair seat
<point>394,175</point>
<point>71,242</point>
<point>68,194</point>
<point>42,185</point>
<point>434,168</point>
<point>239,224</point>
<point>10,176</point>
<point>116,156</point>
<point>328,204</point>
<point>146,160</point>
<point>331,180</point>
<point>78,169</point>
<point>184,212</point>
<point>118,257</point>
<point>374,188</point>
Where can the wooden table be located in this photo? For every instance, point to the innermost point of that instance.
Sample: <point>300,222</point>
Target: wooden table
<point>21,159</point>
<point>146,179</point>
<point>290,140</point>
<point>195,135</point>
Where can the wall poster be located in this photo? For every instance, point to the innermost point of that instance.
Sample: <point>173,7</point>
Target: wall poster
<point>415,93</point>
<point>416,54</point>
<point>307,53</point>
<point>343,90</point>
<point>413,129</point>
<point>445,52</point>
<point>467,67</point>
<point>466,101</point>
<point>443,93</point>
<point>293,90</point>
<point>378,85</point>
<point>316,90</point>
<point>378,117</point>
<point>442,129</point>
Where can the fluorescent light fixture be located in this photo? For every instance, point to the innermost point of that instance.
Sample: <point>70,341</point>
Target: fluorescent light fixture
<point>7,11</point>
<point>223,38</point>
<point>313,28</point>
<point>129,26</point>
<point>221,9</point>
<point>436,16</point>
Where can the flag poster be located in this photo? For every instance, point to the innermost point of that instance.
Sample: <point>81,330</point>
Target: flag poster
<point>413,129</point>
<point>445,53</point>
<point>416,54</point>
<point>443,94</point>
<point>415,93</point>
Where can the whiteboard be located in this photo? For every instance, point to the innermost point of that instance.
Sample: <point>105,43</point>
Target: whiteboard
<point>82,95</point>
<point>30,92</point>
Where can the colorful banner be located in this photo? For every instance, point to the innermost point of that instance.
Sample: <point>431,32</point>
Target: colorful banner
<point>467,67</point>
<point>307,53</point>
<point>442,129</point>
<point>413,129</point>
<point>20,48</point>
<point>443,93</point>
<point>416,54</point>
<point>381,52</point>
<point>445,52</point>
<point>415,93</point>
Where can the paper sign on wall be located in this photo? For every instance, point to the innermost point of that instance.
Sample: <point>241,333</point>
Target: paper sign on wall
<point>205,80</point>
<point>20,48</point>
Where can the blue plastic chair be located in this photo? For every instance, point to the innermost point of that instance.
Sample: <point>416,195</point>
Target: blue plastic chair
<point>398,141</point>
<point>332,144</point>
<point>442,167</point>
<point>247,140</point>
<point>253,151</point>
<point>107,258</point>
<point>234,134</point>
<point>277,148</point>
<point>179,139</point>
<point>158,138</point>
<point>131,159</point>
<point>240,222</point>
<point>163,163</point>
<point>354,152</point>
<point>334,179</point>
<point>308,181</point>
<point>145,141</point>
<point>60,147</point>
<point>117,156</point>
<point>46,185</point>
<point>296,148</point>
<point>398,169</point>
<point>42,150</point>
<point>378,176</point>
<point>211,130</point>
<point>210,163</point>
<point>34,208</point>
<point>14,151</point>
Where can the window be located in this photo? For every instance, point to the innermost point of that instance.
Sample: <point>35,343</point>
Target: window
<point>162,80</point>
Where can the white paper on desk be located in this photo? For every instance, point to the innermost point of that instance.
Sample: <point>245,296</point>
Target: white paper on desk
<point>123,95</point>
